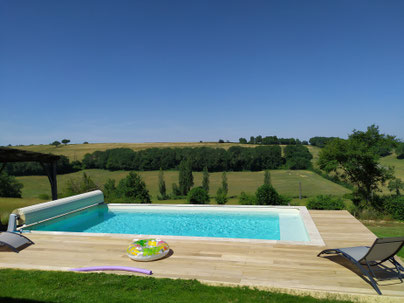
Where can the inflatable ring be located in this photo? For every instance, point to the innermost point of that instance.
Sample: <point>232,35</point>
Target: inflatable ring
<point>147,249</point>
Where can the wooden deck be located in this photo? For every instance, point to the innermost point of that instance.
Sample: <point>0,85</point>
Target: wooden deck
<point>281,266</point>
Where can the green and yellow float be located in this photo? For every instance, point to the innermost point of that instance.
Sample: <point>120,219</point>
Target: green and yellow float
<point>147,249</point>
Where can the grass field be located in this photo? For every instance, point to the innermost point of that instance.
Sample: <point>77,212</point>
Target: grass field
<point>285,181</point>
<point>47,286</point>
<point>397,163</point>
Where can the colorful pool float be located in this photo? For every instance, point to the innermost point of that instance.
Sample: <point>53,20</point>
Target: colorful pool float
<point>147,249</point>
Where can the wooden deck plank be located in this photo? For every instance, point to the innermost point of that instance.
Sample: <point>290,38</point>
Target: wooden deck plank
<point>235,263</point>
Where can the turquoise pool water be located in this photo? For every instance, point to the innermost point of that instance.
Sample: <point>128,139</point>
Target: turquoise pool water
<point>182,221</point>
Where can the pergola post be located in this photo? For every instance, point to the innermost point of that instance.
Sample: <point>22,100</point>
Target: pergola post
<point>54,184</point>
<point>50,169</point>
<point>48,162</point>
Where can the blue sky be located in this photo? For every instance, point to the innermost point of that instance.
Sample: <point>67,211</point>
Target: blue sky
<point>165,71</point>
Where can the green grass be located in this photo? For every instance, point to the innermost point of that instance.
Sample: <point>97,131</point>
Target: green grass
<point>398,165</point>
<point>285,181</point>
<point>47,286</point>
<point>387,229</point>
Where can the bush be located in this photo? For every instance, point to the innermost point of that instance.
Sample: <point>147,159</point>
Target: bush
<point>110,191</point>
<point>395,207</point>
<point>246,199</point>
<point>326,202</point>
<point>175,191</point>
<point>84,185</point>
<point>221,196</point>
<point>198,195</point>
<point>267,195</point>
<point>133,188</point>
<point>9,186</point>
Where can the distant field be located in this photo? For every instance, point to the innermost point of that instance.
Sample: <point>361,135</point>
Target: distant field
<point>397,163</point>
<point>314,150</point>
<point>285,181</point>
<point>77,151</point>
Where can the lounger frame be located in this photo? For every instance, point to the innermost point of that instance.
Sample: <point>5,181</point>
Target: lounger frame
<point>365,261</point>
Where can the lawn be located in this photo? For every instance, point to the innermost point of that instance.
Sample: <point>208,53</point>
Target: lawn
<point>285,181</point>
<point>47,286</point>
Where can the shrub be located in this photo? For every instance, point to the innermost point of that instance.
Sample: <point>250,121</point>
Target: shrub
<point>75,187</point>
<point>221,196</point>
<point>246,199</point>
<point>110,191</point>
<point>175,191</point>
<point>9,186</point>
<point>395,207</point>
<point>326,202</point>
<point>198,195</point>
<point>133,188</point>
<point>267,195</point>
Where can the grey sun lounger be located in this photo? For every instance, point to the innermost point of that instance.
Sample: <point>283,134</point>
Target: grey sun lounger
<point>382,250</point>
<point>14,241</point>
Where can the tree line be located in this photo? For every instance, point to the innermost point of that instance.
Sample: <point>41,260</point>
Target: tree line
<point>63,166</point>
<point>236,158</point>
<point>272,140</point>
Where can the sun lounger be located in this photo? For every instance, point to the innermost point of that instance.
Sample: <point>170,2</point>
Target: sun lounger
<point>14,241</point>
<point>382,250</point>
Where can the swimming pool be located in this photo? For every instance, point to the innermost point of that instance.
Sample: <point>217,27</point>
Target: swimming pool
<point>203,221</point>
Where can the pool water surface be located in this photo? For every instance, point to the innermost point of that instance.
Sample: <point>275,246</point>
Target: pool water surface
<point>189,221</point>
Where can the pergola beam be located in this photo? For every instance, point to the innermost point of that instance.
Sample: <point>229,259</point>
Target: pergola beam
<point>48,162</point>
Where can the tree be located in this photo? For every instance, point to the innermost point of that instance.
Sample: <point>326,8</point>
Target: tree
<point>221,141</point>
<point>225,185</point>
<point>267,195</point>
<point>65,141</point>
<point>198,195</point>
<point>395,185</point>
<point>252,140</point>
<point>9,186</point>
<point>55,143</point>
<point>267,178</point>
<point>205,180</point>
<point>356,160</point>
<point>162,185</point>
<point>133,187</point>
<point>242,140</point>
<point>186,179</point>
